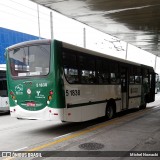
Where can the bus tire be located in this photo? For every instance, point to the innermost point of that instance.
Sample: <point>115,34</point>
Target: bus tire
<point>143,106</point>
<point>110,111</point>
<point>19,118</point>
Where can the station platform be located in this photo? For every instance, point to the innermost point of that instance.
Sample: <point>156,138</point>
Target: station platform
<point>131,135</point>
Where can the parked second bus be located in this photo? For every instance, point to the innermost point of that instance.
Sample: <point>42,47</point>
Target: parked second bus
<point>4,101</point>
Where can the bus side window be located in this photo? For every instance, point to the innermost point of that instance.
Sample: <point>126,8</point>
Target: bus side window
<point>106,74</point>
<point>138,79</point>
<point>131,79</point>
<point>113,77</point>
<point>87,69</point>
<point>146,84</point>
<point>71,75</point>
<point>114,74</point>
<point>100,72</point>
<point>70,67</point>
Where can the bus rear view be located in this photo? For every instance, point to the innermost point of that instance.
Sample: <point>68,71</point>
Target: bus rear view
<point>53,80</point>
<point>29,85</point>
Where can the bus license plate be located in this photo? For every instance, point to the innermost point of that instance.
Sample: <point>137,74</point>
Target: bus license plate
<point>31,104</point>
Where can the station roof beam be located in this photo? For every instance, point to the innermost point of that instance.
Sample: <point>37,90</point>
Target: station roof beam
<point>134,21</point>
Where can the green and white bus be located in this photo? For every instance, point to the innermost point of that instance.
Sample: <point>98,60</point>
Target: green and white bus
<point>53,80</point>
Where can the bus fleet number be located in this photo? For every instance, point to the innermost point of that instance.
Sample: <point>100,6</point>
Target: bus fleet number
<point>73,93</point>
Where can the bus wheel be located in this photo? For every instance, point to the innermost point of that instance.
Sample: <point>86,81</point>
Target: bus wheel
<point>143,106</point>
<point>109,112</point>
<point>19,118</point>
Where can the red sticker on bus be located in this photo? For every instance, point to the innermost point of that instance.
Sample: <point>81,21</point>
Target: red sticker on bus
<point>31,104</point>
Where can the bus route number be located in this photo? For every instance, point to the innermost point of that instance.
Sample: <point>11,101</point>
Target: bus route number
<point>72,92</point>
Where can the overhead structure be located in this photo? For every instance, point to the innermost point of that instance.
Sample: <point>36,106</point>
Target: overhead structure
<point>134,21</point>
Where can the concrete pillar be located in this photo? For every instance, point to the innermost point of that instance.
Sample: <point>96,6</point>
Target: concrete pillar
<point>39,29</point>
<point>51,25</point>
<point>84,37</point>
<point>155,63</point>
<point>126,51</point>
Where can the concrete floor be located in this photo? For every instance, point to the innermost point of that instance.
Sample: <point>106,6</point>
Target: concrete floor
<point>98,139</point>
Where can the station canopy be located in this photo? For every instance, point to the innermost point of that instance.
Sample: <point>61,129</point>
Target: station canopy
<point>134,21</point>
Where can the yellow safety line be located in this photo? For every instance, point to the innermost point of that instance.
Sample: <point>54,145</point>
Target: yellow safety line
<point>116,120</point>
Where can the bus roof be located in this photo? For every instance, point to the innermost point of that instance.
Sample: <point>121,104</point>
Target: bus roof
<point>73,47</point>
<point>80,49</point>
<point>28,43</point>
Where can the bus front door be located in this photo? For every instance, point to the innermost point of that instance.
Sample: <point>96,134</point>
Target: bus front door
<point>124,88</point>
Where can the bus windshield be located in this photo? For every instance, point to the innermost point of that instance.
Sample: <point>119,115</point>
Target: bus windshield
<point>30,60</point>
